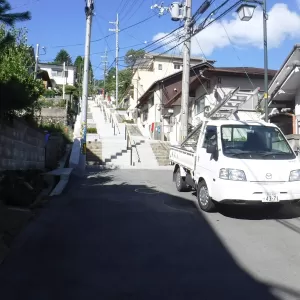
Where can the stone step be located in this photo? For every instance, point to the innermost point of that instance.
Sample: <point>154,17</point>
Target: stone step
<point>95,163</point>
<point>94,148</point>
<point>162,157</point>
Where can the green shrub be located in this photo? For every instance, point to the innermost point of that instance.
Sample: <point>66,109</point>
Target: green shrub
<point>57,128</point>
<point>49,94</point>
<point>92,130</point>
<point>128,121</point>
<point>52,103</point>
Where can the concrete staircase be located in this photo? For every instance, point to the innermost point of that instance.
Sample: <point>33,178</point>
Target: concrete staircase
<point>94,154</point>
<point>112,149</point>
<point>161,151</point>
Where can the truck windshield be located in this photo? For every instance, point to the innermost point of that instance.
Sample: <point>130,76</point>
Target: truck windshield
<point>254,142</point>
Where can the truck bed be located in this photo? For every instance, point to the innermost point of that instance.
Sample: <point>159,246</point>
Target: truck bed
<point>183,156</point>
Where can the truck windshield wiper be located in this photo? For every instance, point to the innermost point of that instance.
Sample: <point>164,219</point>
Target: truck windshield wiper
<point>239,153</point>
<point>272,153</point>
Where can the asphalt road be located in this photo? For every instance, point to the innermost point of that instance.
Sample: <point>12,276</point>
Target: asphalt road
<point>128,234</point>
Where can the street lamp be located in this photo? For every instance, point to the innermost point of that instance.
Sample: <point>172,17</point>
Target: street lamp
<point>245,12</point>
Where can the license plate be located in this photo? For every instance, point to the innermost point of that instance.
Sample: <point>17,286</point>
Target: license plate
<point>271,198</point>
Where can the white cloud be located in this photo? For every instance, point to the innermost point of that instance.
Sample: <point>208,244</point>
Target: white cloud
<point>282,24</point>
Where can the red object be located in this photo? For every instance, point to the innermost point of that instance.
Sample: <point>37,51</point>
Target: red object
<point>152,127</point>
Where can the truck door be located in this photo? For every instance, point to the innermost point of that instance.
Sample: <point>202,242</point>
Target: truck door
<point>207,163</point>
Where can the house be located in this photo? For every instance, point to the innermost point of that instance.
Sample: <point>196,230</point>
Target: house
<point>153,67</point>
<point>56,73</point>
<point>159,108</point>
<point>43,75</point>
<point>284,94</point>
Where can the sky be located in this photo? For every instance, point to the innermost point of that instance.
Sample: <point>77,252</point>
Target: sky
<point>60,24</point>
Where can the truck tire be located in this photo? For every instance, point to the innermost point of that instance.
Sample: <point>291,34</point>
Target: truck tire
<point>204,200</point>
<point>180,183</point>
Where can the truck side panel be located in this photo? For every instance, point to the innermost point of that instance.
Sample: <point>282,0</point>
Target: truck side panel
<point>182,157</point>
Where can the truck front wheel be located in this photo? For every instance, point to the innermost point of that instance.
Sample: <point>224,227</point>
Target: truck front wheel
<point>180,183</point>
<point>204,200</point>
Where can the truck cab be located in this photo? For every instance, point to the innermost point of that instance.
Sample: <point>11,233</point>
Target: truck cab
<point>241,162</point>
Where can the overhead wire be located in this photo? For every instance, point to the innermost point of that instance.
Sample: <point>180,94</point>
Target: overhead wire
<point>135,11</point>
<point>126,8</point>
<point>108,35</point>
<point>234,49</point>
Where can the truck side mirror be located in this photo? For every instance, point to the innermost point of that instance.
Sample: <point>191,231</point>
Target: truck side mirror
<point>212,149</point>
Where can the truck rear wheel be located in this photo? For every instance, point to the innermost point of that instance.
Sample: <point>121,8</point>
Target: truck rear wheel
<point>180,183</point>
<point>204,200</point>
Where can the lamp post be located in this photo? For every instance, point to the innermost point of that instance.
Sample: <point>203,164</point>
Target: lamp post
<point>245,12</point>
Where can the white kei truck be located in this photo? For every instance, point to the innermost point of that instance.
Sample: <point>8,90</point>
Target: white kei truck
<point>230,160</point>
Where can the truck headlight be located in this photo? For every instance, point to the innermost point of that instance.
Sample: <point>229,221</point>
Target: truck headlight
<point>232,174</point>
<point>295,175</point>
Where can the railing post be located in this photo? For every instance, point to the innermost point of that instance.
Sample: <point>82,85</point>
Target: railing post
<point>131,156</point>
<point>114,129</point>
<point>125,132</point>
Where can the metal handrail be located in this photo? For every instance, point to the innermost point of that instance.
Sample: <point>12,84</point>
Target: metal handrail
<point>116,122</point>
<point>112,119</point>
<point>129,144</point>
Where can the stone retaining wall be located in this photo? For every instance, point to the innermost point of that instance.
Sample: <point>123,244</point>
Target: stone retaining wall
<point>21,147</point>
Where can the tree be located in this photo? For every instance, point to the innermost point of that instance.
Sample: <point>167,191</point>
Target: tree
<point>110,82</point>
<point>132,56</point>
<point>79,64</point>
<point>79,68</point>
<point>63,57</point>
<point>125,77</point>
<point>19,91</point>
<point>10,19</point>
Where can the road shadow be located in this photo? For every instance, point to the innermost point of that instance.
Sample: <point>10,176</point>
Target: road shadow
<point>113,240</point>
<point>258,212</point>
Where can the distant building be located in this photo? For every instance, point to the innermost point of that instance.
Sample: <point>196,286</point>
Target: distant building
<point>56,73</point>
<point>153,67</point>
<point>160,106</point>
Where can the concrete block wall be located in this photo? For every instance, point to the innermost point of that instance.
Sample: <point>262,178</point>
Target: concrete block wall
<point>21,147</point>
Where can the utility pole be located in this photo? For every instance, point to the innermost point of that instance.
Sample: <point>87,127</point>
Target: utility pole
<point>36,60</point>
<point>89,11</point>
<point>64,80</point>
<point>186,71</point>
<point>182,12</point>
<point>266,77</point>
<point>116,30</point>
<point>105,69</point>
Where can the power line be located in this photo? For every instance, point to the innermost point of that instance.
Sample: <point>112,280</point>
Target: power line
<point>134,12</point>
<point>100,39</point>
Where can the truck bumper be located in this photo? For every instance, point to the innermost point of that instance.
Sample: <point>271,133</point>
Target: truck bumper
<point>242,192</point>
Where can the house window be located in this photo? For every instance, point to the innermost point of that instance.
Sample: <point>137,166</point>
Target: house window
<point>159,66</point>
<point>177,66</point>
<point>57,73</point>
<point>199,105</point>
<point>151,101</point>
<point>192,93</point>
<point>210,136</point>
